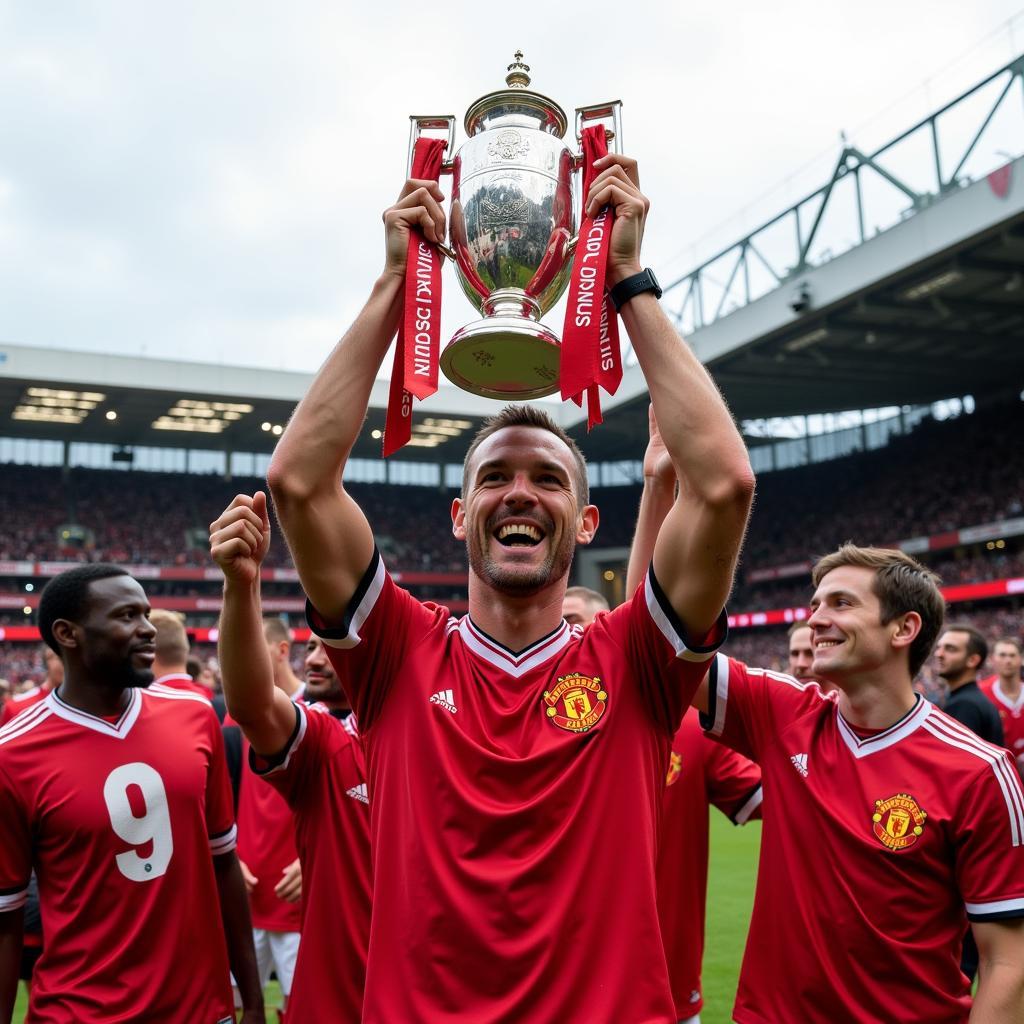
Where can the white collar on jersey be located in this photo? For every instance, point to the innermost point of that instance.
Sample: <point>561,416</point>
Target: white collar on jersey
<point>118,730</point>
<point>499,656</point>
<point>901,730</point>
<point>1013,705</point>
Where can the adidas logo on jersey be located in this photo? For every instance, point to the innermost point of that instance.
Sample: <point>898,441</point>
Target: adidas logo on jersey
<point>446,699</point>
<point>359,793</point>
<point>800,763</point>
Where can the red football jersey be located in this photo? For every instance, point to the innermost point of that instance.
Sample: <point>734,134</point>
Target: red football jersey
<point>516,799</point>
<point>15,704</point>
<point>322,775</point>
<point>266,842</point>
<point>1011,714</point>
<point>181,681</point>
<point>701,772</point>
<point>875,851</point>
<point>120,821</point>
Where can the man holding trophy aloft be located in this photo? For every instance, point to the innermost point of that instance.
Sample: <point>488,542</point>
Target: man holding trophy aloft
<point>514,763</point>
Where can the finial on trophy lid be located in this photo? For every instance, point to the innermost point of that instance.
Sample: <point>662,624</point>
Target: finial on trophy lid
<point>518,73</point>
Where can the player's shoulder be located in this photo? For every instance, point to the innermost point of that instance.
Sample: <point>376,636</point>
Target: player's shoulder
<point>957,745</point>
<point>161,699</point>
<point>27,725</point>
<point>27,696</point>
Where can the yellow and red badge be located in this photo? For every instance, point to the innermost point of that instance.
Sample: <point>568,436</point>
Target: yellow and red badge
<point>675,766</point>
<point>576,703</point>
<point>898,822</point>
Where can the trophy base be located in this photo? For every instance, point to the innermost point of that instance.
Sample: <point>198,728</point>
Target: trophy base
<point>503,357</point>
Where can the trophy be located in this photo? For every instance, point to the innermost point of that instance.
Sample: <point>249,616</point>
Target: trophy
<point>512,230</point>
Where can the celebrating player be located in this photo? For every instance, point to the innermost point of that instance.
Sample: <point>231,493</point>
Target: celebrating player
<point>515,764</point>
<point>118,797</point>
<point>1005,691</point>
<point>700,772</point>
<point>311,755</point>
<point>886,821</point>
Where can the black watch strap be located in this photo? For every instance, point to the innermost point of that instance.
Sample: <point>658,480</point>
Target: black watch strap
<point>625,290</point>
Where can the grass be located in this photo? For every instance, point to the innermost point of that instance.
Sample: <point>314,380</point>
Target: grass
<point>730,897</point>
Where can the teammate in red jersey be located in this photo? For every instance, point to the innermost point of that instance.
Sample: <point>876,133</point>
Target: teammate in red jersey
<point>888,824</point>
<point>15,704</point>
<point>515,764</point>
<point>266,843</point>
<point>700,772</point>
<point>170,666</point>
<point>1005,691</point>
<point>311,755</point>
<point>117,796</point>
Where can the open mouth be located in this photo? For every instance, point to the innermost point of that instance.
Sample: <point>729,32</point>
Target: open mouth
<point>518,535</point>
<point>825,644</point>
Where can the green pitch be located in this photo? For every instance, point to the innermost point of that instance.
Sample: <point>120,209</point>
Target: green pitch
<point>730,896</point>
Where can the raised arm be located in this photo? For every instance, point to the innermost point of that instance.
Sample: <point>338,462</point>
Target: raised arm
<point>657,499</point>
<point>239,539</point>
<point>328,535</point>
<point>699,543</point>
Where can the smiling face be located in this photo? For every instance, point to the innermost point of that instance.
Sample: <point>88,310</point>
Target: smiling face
<point>114,637</point>
<point>521,517</point>
<point>849,638</point>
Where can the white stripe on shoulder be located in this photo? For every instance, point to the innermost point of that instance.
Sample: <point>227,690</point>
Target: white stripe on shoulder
<point>225,842</point>
<point>942,727</point>
<point>13,900</point>
<point>25,722</point>
<point>158,690</point>
<point>362,611</point>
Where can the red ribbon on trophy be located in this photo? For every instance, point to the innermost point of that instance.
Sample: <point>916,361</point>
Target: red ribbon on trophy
<point>590,357</point>
<point>414,373</point>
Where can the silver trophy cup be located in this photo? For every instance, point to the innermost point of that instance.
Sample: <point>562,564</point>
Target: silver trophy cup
<point>512,227</point>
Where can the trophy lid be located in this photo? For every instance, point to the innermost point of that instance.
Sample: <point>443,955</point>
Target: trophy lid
<point>516,105</point>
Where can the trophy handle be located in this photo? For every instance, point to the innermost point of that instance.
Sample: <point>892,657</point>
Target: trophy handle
<point>611,114</point>
<point>419,124</point>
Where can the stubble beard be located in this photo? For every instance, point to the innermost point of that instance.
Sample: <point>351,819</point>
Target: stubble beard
<point>514,581</point>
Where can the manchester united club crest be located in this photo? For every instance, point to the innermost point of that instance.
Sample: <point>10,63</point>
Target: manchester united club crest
<point>675,766</point>
<point>898,822</point>
<point>576,703</point>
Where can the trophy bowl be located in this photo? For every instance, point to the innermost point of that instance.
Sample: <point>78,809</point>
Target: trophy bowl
<point>513,227</point>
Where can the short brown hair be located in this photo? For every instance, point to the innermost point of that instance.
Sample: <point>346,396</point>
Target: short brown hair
<point>902,584</point>
<point>276,631</point>
<point>801,624</point>
<point>976,642</point>
<point>529,416</point>
<point>592,597</point>
<point>1012,640</point>
<point>171,638</point>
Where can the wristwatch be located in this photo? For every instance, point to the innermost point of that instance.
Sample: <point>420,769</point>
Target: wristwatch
<point>645,281</point>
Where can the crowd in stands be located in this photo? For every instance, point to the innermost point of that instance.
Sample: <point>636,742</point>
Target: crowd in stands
<point>941,477</point>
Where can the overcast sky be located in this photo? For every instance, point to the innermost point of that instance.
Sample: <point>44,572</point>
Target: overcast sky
<point>205,180</point>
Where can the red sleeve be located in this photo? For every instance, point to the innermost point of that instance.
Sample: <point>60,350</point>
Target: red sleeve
<point>295,768</point>
<point>748,707</point>
<point>367,648</point>
<point>733,781</point>
<point>15,848</point>
<point>990,841</point>
<point>220,812</point>
<point>666,662</point>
